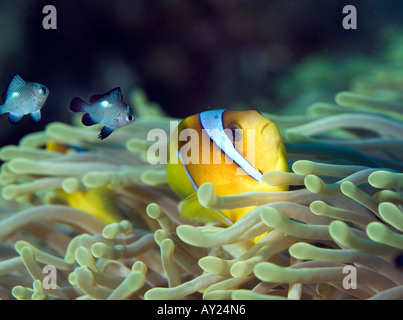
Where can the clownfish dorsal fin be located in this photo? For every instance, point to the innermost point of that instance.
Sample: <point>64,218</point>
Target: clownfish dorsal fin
<point>211,122</point>
<point>191,209</point>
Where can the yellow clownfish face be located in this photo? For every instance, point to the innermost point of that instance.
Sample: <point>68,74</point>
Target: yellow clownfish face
<point>231,150</point>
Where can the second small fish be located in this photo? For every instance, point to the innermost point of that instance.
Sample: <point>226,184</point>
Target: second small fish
<point>107,109</point>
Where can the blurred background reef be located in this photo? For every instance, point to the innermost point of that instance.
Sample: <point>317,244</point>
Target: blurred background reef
<point>277,56</point>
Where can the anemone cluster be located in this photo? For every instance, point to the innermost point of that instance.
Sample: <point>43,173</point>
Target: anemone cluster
<point>336,234</point>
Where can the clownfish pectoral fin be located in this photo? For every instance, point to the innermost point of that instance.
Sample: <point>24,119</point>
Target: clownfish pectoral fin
<point>191,209</point>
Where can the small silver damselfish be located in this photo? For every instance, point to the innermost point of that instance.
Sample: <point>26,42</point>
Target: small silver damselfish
<point>107,109</point>
<point>23,98</point>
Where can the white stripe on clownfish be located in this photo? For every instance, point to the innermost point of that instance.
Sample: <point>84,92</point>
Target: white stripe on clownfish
<point>179,155</point>
<point>211,122</point>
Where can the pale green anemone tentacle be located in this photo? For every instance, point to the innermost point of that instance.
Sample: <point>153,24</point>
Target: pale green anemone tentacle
<point>351,120</point>
<point>390,294</point>
<point>329,152</point>
<point>386,179</point>
<point>280,178</point>
<point>266,247</point>
<point>352,191</point>
<point>352,99</point>
<point>11,265</point>
<point>305,251</point>
<point>305,167</point>
<point>132,283</point>
<point>323,209</point>
<point>243,268</point>
<point>244,294</point>
<point>316,185</point>
<point>14,191</point>
<point>389,196</point>
<point>344,235</point>
<point>168,263</point>
<point>43,167</point>
<point>377,231</point>
<point>49,213</point>
<point>184,289</point>
<point>392,214</point>
<point>35,271</point>
<point>11,152</point>
<point>278,221</point>
<point>325,272</point>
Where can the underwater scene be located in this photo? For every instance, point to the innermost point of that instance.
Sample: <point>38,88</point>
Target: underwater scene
<point>201,150</point>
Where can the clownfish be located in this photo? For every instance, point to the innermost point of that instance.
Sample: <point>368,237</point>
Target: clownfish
<point>100,202</point>
<point>233,149</point>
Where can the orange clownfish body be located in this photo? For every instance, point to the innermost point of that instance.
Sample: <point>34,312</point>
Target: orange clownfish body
<point>231,150</point>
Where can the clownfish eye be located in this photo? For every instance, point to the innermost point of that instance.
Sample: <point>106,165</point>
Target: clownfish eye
<point>235,134</point>
<point>43,90</point>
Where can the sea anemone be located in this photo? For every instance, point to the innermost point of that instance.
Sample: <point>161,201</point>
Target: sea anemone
<point>336,234</point>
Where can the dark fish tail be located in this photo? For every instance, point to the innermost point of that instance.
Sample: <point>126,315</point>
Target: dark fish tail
<point>77,105</point>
